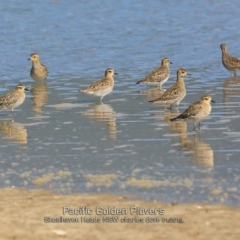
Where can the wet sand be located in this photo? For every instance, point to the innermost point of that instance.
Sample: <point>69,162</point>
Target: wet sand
<point>22,215</point>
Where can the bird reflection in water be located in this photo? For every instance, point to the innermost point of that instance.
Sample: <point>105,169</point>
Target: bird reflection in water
<point>40,96</point>
<point>13,130</point>
<point>151,93</point>
<point>231,88</point>
<point>192,144</point>
<point>104,113</point>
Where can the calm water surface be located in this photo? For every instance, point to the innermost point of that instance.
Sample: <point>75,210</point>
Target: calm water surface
<point>66,141</point>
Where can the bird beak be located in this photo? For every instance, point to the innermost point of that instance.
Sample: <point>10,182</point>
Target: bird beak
<point>171,62</point>
<point>115,73</point>
<point>29,59</point>
<point>212,101</point>
<point>189,74</point>
<point>26,89</point>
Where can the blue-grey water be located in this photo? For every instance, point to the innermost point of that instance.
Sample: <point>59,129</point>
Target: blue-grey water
<point>66,141</point>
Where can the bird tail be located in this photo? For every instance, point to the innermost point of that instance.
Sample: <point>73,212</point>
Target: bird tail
<point>82,90</point>
<point>153,101</point>
<point>180,117</point>
<point>174,119</point>
<point>139,82</point>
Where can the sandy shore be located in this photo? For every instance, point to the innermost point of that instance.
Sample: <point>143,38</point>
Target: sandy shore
<point>39,214</point>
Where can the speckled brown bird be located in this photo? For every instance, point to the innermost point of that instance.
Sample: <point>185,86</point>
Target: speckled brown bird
<point>159,75</point>
<point>198,111</point>
<point>175,93</point>
<point>14,98</point>
<point>38,71</point>
<point>232,64</point>
<point>101,87</point>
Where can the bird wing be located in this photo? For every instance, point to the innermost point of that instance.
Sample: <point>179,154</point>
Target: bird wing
<point>8,99</point>
<point>169,94</point>
<point>191,111</point>
<point>100,84</point>
<point>45,68</point>
<point>157,75</point>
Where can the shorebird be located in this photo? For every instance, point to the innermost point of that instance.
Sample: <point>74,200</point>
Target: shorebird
<point>159,75</point>
<point>101,87</point>
<point>14,98</point>
<point>176,92</point>
<point>232,64</point>
<point>197,112</point>
<point>38,70</point>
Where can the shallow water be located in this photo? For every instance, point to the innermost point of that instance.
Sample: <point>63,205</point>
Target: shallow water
<point>63,140</point>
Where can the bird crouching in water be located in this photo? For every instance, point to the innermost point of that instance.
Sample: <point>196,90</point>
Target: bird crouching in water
<point>38,71</point>
<point>14,98</point>
<point>103,86</point>
<point>197,112</point>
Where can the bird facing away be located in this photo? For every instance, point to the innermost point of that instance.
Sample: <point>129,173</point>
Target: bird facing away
<point>101,87</point>
<point>14,98</point>
<point>197,112</point>
<point>159,75</point>
<point>232,64</point>
<point>38,70</point>
<point>176,92</point>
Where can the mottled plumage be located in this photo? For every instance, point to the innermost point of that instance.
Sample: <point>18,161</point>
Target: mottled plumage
<point>197,111</point>
<point>232,64</point>
<point>175,93</point>
<point>38,70</point>
<point>102,87</point>
<point>159,75</point>
<point>14,98</point>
